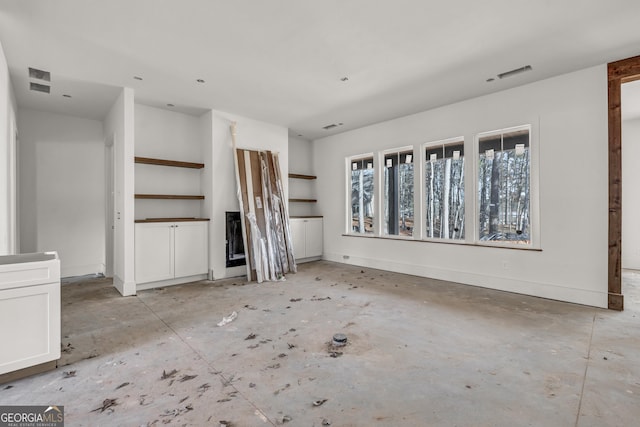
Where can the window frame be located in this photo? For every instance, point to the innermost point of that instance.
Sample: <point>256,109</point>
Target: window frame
<point>381,202</point>
<point>534,224</point>
<point>348,213</point>
<point>423,187</point>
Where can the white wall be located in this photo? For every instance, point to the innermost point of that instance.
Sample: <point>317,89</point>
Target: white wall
<point>631,194</point>
<point>569,118</point>
<point>8,193</point>
<point>119,127</point>
<point>164,134</point>
<point>221,196</point>
<point>301,162</point>
<point>62,200</point>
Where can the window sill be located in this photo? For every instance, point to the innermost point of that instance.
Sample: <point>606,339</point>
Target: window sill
<point>448,242</point>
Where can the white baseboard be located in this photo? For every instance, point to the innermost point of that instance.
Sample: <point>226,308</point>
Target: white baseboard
<point>537,289</point>
<point>81,270</point>
<point>171,282</point>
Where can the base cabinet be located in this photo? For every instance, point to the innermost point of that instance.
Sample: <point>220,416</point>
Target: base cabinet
<point>170,250</point>
<point>306,237</point>
<point>29,313</point>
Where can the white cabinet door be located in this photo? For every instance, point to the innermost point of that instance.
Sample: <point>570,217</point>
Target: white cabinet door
<point>313,237</point>
<point>297,226</point>
<point>154,252</point>
<point>191,248</point>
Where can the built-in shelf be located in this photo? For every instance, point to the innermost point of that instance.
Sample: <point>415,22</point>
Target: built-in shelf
<point>170,220</point>
<point>301,176</point>
<point>163,162</point>
<point>303,200</point>
<point>169,196</point>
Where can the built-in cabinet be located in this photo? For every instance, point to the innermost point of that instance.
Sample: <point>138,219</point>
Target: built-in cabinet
<point>306,233</point>
<point>165,251</point>
<point>306,229</point>
<point>171,224</point>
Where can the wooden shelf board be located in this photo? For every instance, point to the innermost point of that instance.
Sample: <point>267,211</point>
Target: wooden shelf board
<point>169,196</point>
<point>303,200</point>
<point>170,220</point>
<point>163,162</point>
<point>301,176</point>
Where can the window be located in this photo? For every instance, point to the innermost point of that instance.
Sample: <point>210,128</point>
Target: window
<point>398,193</point>
<point>362,195</point>
<point>504,186</point>
<point>444,190</point>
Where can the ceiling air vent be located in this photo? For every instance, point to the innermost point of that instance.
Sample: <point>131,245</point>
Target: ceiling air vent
<point>34,73</point>
<point>514,72</point>
<point>39,88</point>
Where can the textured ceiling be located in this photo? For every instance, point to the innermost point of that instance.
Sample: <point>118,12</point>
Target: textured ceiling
<point>282,61</point>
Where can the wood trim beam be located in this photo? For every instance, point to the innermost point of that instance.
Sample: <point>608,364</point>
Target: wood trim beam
<point>618,72</point>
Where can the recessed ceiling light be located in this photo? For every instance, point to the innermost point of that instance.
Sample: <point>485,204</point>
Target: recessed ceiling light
<point>344,79</point>
<point>170,105</point>
<point>137,78</point>
<point>66,95</point>
<point>200,81</point>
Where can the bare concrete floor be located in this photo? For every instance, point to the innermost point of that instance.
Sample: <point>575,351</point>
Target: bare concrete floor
<point>420,353</point>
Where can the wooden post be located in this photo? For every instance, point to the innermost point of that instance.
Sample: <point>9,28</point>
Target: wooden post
<point>617,72</point>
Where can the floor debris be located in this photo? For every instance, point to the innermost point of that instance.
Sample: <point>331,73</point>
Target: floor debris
<point>286,386</point>
<point>68,349</point>
<point>106,404</point>
<point>291,346</point>
<point>285,419</point>
<point>318,278</point>
<point>274,366</point>
<point>183,399</point>
<point>186,378</point>
<point>166,375</point>
<point>145,400</point>
<point>254,346</point>
<point>335,354</point>
<point>8,387</point>
<point>281,355</point>
<point>250,307</point>
<point>204,387</point>
<point>250,336</point>
<point>319,402</point>
<point>228,319</point>
<point>295,299</point>
<point>326,422</point>
<point>68,374</point>
<point>252,385</point>
<point>320,299</point>
<point>122,385</point>
<point>224,423</point>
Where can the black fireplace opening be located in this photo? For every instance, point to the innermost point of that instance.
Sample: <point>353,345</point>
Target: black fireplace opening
<point>235,245</point>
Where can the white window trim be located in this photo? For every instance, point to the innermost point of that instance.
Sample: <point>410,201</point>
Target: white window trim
<point>534,200</point>
<point>380,182</point>
<point>347,187</point>
<point>423,188</point>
